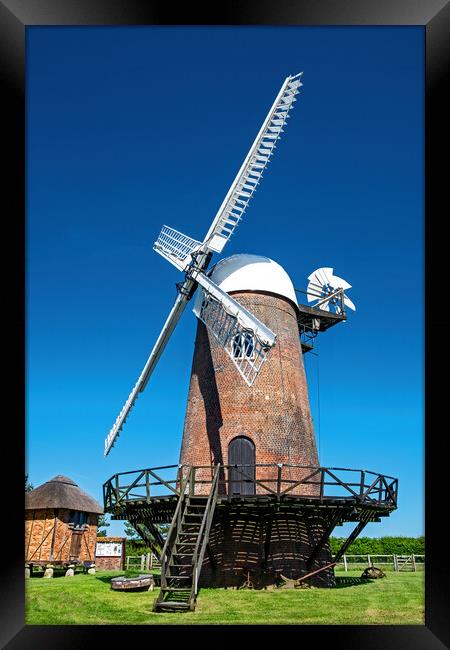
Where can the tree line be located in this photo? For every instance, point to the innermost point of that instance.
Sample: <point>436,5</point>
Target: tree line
<point>381,545</point>
<point>361,546</point>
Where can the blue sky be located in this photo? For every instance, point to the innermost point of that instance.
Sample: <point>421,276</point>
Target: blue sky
<point>132,128</point>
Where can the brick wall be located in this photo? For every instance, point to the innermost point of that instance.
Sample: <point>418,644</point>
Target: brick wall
<point>274,412</point>
<point>109,563</point>
<point>48,536</point>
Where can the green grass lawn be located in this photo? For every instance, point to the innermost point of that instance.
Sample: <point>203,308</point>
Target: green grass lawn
<point>88,599</point>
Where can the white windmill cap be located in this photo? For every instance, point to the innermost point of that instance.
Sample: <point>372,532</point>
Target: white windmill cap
<point>246,272</point>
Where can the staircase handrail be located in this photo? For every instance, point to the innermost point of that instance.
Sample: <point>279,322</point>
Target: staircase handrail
<point>172,528</point>
<point>203,535</point>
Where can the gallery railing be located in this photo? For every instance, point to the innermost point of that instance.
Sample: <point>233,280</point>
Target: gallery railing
<point>278,480</point>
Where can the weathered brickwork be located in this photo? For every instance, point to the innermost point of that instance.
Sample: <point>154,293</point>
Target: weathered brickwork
<point>274,412</point>
<point>48,536</point>
<point>109,563</point>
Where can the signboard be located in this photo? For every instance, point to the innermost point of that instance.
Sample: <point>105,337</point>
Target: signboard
<point>108,549</point>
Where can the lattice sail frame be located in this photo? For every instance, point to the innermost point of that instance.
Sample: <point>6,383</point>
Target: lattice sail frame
<point>249,175</point>
<point>175,247</point>
<point>245,349</point>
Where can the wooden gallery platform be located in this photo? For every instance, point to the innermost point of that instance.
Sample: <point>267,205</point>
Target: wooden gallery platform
<point>221,538</point>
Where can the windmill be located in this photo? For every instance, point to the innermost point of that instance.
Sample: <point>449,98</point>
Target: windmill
<point>232,325</point>
<point>248,496</point>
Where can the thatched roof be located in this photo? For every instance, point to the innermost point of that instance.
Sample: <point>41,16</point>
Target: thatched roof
<point>61,492</point>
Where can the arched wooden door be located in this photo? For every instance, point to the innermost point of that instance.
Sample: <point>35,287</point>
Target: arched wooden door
<point>241,451</point>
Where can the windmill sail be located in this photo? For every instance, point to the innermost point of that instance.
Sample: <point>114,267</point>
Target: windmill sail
<point>152,360</point>
<point>250,173</point>
<point>242,335</point>
<point>175,247</point>
<point>244,338</point>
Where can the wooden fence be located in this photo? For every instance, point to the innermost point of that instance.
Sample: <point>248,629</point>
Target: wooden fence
<point>397,562</point>
<point>411,562</point>
<point>144,562</point>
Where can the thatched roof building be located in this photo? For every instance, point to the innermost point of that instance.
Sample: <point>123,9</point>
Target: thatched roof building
<point>61,492</point>
<point>60,523</point>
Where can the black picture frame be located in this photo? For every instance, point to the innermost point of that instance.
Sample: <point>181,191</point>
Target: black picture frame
<point>15,17</point>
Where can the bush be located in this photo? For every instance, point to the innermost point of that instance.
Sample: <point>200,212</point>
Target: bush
<point>137,547</point>
<point>361,546</point>
<point>381,545</point>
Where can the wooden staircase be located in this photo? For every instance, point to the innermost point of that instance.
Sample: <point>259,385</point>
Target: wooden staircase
<point>185,546</point>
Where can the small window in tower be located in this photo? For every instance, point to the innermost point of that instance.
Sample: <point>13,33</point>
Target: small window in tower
<point>77,518</point>
<point>243,346</point>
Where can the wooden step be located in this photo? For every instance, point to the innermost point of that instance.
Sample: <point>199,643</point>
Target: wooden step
<point>171,607</point>
<point>174,605</point>
<point>195,532</point>
<point>181,553</point>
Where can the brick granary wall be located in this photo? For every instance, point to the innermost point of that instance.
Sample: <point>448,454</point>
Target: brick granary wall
<point>48,537</point>
<point>274,413</point>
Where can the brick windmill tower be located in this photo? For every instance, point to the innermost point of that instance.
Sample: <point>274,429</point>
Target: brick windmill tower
<point>248,498</point>
<point>270,421</point>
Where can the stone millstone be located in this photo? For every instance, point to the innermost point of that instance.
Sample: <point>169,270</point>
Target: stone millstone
<point>373,572</point>
<point>140,583</point>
